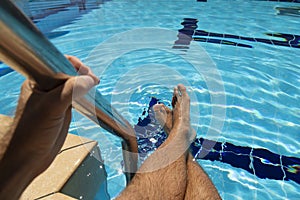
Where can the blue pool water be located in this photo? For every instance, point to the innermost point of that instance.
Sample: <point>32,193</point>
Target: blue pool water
<point>250,110</point>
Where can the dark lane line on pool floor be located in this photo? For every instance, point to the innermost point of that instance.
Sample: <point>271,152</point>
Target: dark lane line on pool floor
<point>258,161</point>
<point>189,32</point>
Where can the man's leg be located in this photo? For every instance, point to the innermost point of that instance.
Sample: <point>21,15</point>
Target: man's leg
<point>163,174</point>
<point>199,186</point>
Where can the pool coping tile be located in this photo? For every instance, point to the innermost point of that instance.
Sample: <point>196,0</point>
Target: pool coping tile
<point>74,152</point>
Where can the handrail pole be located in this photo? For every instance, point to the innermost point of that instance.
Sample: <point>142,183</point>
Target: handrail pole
<point>26,50</point>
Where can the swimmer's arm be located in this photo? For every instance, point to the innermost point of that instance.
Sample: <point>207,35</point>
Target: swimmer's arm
<point>39,129</point>
<point>16,173</point>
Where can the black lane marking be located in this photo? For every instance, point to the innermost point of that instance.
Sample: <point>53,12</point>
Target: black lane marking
<point>189,32</point>
<point>258,161</point>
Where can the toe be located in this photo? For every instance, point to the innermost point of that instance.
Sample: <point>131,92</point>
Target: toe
<point>163,110</point>
<point>157,107</point>
<point>184,94</point>
<point>178,95</point>
<point>167,109</point>
<point>175,97</point>
<point>182,89</point>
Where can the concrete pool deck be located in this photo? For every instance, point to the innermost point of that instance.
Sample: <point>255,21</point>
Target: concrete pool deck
<point>77,172</point>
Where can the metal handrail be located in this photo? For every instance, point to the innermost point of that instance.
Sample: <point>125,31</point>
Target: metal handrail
<point>26,50</point>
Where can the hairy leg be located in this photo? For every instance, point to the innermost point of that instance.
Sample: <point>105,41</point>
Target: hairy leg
<point>199,186</point>
<point>163,174</point>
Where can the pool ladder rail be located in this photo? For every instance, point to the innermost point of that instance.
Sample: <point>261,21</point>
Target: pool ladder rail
<point>24,48</point>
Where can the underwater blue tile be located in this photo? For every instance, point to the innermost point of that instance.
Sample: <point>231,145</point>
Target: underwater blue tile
<point>267,171</point>
<point>266,154</point>
<point>237,149</point>
<point>208,155</point>
<point>235,160</point>
<point>5,70</point>
<point>286,161</point>
<point>55,34</point>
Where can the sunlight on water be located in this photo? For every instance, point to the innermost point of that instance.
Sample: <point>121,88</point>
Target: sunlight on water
<point>261,83</point>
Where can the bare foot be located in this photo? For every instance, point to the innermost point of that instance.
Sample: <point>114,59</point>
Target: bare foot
<point>181,108</point>
<point>198,185</point>
<point>164,115</point>
<point>165,169</point>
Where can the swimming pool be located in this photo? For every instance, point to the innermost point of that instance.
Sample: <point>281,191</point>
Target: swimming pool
<point>255,53</point>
